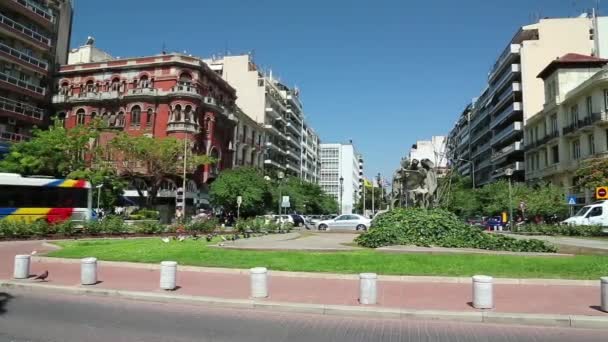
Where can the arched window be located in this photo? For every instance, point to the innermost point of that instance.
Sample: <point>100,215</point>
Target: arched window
<point>143,82</point>
<point>115,84</point>
<point>177,113</point>
<point>149,117</point>
<point>65,88</point>
<point>120,119</point>
<point>135,116</point>
<point>185,78</point>
<point>90,87</point>
<point>187,113</point>
<point>80,116</point>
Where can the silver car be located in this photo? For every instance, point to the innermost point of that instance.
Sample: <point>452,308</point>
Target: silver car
<point>347,221</point>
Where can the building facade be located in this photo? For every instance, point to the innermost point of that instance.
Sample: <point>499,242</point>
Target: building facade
<point>249,137</point>
<point>513,94</point>
<point>311,164</point>
<point>341,174</point>
<point>168,95</point>
<point>573,125</point>
<point>34,40</point>
<point>270,103</point>
<point>433,150</point>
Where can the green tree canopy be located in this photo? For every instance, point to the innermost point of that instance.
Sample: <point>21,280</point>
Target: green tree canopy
<point>249,183</point>
<point>593,173</point>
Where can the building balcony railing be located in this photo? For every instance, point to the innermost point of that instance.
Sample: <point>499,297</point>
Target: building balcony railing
<point>22,84</point>
<point>506,113</point>
<point>517,166</point>
<point>274,113</point>
<point>13,137</point>
<point>184,88</point>
<point>293,128</point>
<point>15,26</point>
<point>21,108</point>
<point>87,96</point>
<point>599,118</point>
<point>142,92</point>
<point>182,126</point>
<point>573,127</point>
<point>31,61</point>
<point>275,147</point>
<point>483,164</point>
<point>506,151</point>
<point>508,53</point>
<point>273,163</point>
<point>37,10</point>
<point>506,133</point>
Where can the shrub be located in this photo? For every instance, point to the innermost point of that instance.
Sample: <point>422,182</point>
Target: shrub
<point>203,226</point>
<point>565,230</point>
<point>437,227</point>
<point>149,228</point>
<point>65,228</point>
<point>109,225</point>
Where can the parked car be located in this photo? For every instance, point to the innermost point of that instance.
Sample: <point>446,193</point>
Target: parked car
<point>478,221</point>
<point>314,219</point>
<point>297,220</point>
<point>347,221</point>
<point>495,223</point>
<point>595,214</point>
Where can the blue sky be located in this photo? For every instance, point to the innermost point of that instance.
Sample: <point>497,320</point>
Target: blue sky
<point>382,73</point>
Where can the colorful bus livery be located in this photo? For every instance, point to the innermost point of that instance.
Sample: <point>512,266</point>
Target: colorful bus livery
<point>36,198</point>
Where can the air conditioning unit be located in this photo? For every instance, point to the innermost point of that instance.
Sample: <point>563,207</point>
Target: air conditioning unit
<point>12,121</point>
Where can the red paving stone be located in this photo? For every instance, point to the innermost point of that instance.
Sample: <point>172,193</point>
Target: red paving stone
<point>580,300</point>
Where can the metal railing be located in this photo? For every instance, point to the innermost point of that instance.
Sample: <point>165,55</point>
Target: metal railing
<point>24,30</point>
<point>511,129</point>
<point>37,8</point>
<point>14,137</point>
<point>22,56</point>
<point>21,108</point>
<point>22,84</point>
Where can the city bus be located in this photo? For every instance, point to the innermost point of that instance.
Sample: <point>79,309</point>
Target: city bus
<point>38,198</point>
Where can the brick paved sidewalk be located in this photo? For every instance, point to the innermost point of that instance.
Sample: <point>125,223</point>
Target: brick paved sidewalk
<point>538,299</point>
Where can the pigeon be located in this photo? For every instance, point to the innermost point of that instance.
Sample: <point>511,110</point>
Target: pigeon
<point>33,252</point>
<point>181,238</point>
<point>43,276</point>
<point>165,240</point>
<point>209,238</point>
<point>223,237</point>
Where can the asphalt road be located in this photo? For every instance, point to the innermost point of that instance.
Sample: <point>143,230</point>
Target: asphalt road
<point>36,317</point>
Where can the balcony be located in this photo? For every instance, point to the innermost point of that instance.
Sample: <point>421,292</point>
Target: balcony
<point>506,77</point>
<point>21,109</point>
<point>182,126</point>
<point>293,141</point>
<point>508,54</point>
<point>599,118</point>
<point>34,63</point>
<point>86,97</point>
<point>506,151</point>
<point>13,137</point>
<point>29,88</point>
<point>271,162</point>
<point>273,129</point>
<point>507,133</point>
<point>275,147</point>
<point>574,127</point>
<point>274,113</point>
<point>482,165</point>
<point>506,113</point>
<point>517,166</point>
<point>185,89</point>
<point>290,166</point>
<point>34,11</point>
<point>293,128</point>
<point>14,27</point>
<point>141,92</point>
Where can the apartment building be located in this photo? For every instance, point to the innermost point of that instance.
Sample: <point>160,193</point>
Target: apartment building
<point>34,39</point>
<point>458,144</point>
<point>433,150</point>
<point>341,174</point>
<point>249,137</point>
<point>311,164</point>
<point>166,95</point>
<point>513,94</point>
<point>573,124</point>
<point>270,103</point>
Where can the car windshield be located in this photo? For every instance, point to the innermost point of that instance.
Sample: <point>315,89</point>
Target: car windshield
<point>582,211</point>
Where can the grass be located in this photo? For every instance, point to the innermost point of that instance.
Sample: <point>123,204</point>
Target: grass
<point>197,253</point>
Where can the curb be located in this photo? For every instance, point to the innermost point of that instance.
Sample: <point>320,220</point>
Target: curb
<point>405,279</point>
<point>574,321</point>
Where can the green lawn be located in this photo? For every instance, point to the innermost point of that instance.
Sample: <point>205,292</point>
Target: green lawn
<point>198,254</point>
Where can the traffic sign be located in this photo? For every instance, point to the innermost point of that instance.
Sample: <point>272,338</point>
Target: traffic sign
<point>239,200</point>
<point>571,200</point>
<point>285,202</point>
<point>601,192</point>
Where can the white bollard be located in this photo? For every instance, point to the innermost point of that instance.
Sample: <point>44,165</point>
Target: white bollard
<point>88,271</point>
<point>367,288</point>
<point>168,272</point>
<point>604,291</point>
<point>22,266</point>
<point>483,296</point>
<point>259,282</point>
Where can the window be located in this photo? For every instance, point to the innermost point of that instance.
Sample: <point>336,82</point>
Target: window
<point>545,158</point>
<point>576,149</point>
<point>591,142</point>
<point>597,211</point>
<point>606,99</point>
<point>260,82</point>
<point>93,115</point>
<point>80,117</point>
<point>42,197</point>
<point>574,114</point>
<point>555,154</point>
<point>554,123</point>
<point>135,116</point>
<point>589,105</point>
<point>149,117</point>
<point>90,87</point>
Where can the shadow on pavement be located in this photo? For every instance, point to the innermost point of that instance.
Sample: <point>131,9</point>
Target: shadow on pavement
<point>4,299</point>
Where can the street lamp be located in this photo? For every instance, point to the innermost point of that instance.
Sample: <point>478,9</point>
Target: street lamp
<point>381,196</point>
<point>98,187</point>
<point>341,192</point>
<point>280,176</point>
<point>472,169</point>
<point>509,173</point>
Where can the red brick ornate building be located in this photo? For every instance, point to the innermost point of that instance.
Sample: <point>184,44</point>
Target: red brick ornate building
<point>164,95</point>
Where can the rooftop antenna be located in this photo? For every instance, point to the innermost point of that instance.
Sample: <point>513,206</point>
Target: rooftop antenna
<point>163,49</point>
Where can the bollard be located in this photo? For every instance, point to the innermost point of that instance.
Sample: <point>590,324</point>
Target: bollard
<point>259,282</point>
<point>22,266</point>
<point>367,288</point>
<point>604,291</point>
<point>168,272</point>
<point>88,271</point>
<point>483,297</point>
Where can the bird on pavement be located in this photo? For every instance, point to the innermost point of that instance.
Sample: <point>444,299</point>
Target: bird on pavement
<point>165,240</point>
<point>181,238</point>
<point>33,252</point>
<point>43,276</point>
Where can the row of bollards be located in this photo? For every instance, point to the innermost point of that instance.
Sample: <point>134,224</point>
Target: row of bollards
<point>483,292</point>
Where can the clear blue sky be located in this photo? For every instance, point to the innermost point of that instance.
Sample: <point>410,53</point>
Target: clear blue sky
<point>383,73</point>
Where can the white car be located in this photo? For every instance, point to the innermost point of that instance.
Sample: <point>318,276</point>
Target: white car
<point>347,221</point>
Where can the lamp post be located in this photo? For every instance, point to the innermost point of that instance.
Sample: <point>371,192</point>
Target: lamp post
<point>472,169</point>
<point>98,195</point>
<point>509,173</point>
<point>280,176</point>
<point>341,192</point>
<point>381,196</point>
<point>184,180</point>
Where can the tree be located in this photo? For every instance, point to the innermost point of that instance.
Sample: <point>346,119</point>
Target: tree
<point>112,186</point>
<point>142,157</point>
<point>305,197</point>
<point>54,152</point>
<point>461,199</point>
<point>593,173</point>
<point>249,183</point>
<point>380,200</point>
<point>546,200</point>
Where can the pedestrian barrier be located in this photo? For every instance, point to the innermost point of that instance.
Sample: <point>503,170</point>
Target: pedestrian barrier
<point>88,271</point>
<point>604,293</point>
<point>259,282</point>
<point>22,266</point>
<point>367,288</point>
<point>168,272</point>
<point>483,294</point>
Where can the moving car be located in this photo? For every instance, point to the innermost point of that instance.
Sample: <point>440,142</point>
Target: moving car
<point>347,221</point>
<point>595,214</point>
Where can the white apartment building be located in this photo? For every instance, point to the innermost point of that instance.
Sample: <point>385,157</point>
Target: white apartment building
<point>270,103</point>
<point>433,150</point>
<point>573,125</point>
<point>249,138</point>
<point>341,174</point>
<point>311,164</point>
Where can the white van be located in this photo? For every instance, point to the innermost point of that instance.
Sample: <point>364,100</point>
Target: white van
<point>595,214</point>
